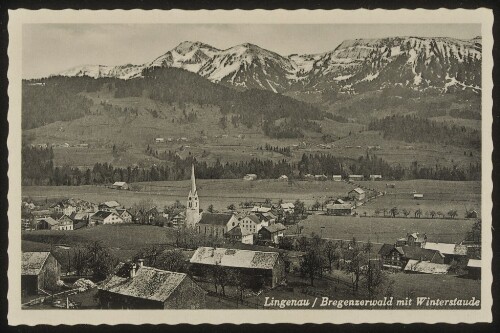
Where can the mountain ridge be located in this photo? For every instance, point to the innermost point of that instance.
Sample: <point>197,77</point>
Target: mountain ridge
<point>353,66</point>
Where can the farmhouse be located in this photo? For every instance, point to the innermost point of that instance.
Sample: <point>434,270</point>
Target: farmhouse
<point>357,194</point>
<point>261,209</point>
<point>356,177</point>
<point>63,207</point>
<point>337,178</point>
<point>124,214</point>
<point>263,268</point>
<point>177,218</point>
<point>240,234</point>
<point>250,176</point>
<point>109,206</point>
<point>273,233</point>
<point>339,209</point>
<point>320,177</point>
<point>412,239</point>
<point>283,178</point>
<point>287,207</point>
<point>65,223</point>
<point>135,286</point>
<point>120,186</point>
<point>104,217</point>
<point>418,196</point>
<point>375,177</point>
<point>216,224</point>
<point>40,271</point>
<point>397,257</point>
<point>451,252</point>
<point>425,267</point>
<point>159,140</point>
<point>80,220</point>
<point>474,268</point>
<point>250,223</point>
<point>47,223</point>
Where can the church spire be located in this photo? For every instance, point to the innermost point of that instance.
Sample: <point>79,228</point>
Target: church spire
<point>193,181</point>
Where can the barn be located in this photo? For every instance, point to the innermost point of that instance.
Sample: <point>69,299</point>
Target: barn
<point>135,286</point>
<point>40,272</point>
<point>357,194</point>
<point>265,268</point>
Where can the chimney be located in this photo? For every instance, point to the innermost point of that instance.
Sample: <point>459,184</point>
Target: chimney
<point>132,271</point>
<point>140,262</point>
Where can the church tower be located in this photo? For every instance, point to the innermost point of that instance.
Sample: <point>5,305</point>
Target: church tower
<point>193,204</point>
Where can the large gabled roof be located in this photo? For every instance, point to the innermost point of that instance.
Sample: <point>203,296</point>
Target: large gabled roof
<point>358,190</point>
<point>148,283</point>
<point>32,262</point>
<point>274,227</point>
<point>235,258</point>
<point>447,248</point>
<point>102,214</point>
<point>215,219</point>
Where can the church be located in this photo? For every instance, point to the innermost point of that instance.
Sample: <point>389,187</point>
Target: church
<point>193,215</point>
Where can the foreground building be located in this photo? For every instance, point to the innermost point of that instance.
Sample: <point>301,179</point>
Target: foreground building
<point>264,268</point>
<point>40,272</point>
<point>135,286</point>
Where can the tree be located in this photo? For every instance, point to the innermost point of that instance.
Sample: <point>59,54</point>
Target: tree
<point>316,205</point>
<point>210,208</point>
<point>231,207</point>
<point>376,281</point>
<point>100,260</point>
<point>149,254</point>
<point>377,212</point>
<point>452,213</point>
<point>268,201</point>
<point>440,214</point>
<point>418,213</point>
<point>384,210</point>
<point>432,213</point>
<point>172,260</point>
<point>406,212</point>
<point>394,211</point>
<point>355,265</point>
<point>311,264</point>
<point>330,250</point>
<point>79,259</point>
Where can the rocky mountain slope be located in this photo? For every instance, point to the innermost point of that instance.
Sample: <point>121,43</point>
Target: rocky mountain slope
<point>355,66</point>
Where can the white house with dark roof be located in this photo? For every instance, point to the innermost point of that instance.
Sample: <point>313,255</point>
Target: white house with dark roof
<point>264,267</point>
<point>357,194</point>
<point>135,286</point>
<point>104,217</point>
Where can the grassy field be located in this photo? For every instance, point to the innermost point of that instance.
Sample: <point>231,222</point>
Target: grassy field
<point>384,230</point>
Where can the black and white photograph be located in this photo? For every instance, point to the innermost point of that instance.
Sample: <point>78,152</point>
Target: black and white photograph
<point>337,168</point>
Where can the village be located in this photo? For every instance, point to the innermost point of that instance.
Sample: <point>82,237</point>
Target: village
<point>229,259</point>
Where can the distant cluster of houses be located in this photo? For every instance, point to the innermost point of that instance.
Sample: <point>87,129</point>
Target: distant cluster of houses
<point>59,145</point>
<point>415,254</point>
<point>320,177</point>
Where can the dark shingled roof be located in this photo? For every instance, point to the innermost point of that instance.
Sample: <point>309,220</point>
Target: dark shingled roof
<point>385,249</point>
<point>215,219</point>
<point>149,283</point>
<point>101,214</point>
<point>274,227</point>
<point>418,253</point>
<point>32,262</point>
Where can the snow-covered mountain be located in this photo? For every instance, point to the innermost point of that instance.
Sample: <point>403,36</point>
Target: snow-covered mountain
<point>353,66</point>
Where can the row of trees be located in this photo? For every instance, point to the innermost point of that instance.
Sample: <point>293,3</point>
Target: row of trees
<point>352,258</point>
<point>417,213</point>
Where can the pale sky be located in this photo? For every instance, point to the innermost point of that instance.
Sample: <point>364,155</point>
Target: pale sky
<point>52,48</point>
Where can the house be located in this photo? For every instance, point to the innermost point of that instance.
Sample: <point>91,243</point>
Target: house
<point>413,239</point>
<point>375,177</point>
<point>120,186</point>
<point>80,220</point>
<point>309,177</point>
<point>240,234</point>
<point>109,206</point>
<point>46,223</point>
<point>425,267</point>
<point>159,140</point>
<point>451,252</point>
<point>474,268</point>
<point>267,218</point>
<point>250,176</point>
<point>337,178</point>
<point>40,272</point>
<point>178,218</point>
<point>104,217</point>
<point>41,213</point>
<point>283,178</point>
<point>273,233</point>
<point>320,177</point>
<point>262,268</point>
<point>418,196</point>
<point>287,207</point>
<point>250,223</point>
<point>216,225</point>
<point>135,286</point>
<point>356,177</point>
<point>151,215</point>
<point>339,209</point>
<point>261,209</point>
<point>124,214</point>
<point>65,223</point>
<point>63,207</point>
<point>396,257</point>
<point>357,194</point>
<point>390,185</point>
